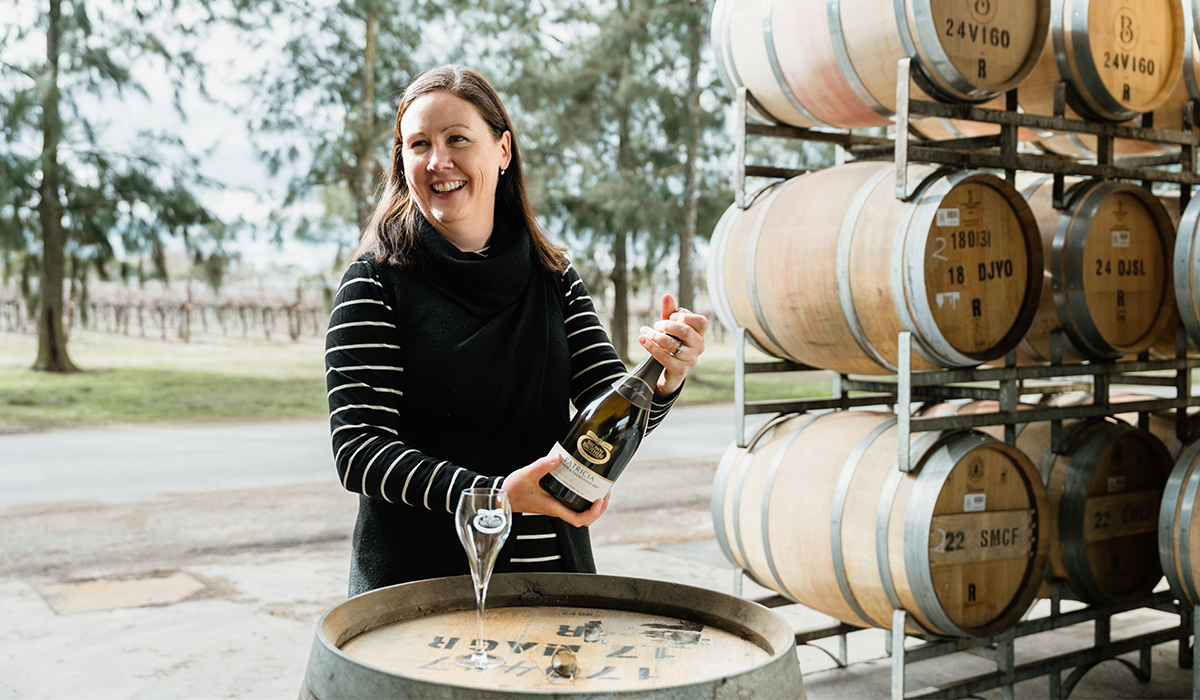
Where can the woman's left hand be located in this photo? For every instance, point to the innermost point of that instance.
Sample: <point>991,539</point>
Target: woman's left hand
<point>676,342</point>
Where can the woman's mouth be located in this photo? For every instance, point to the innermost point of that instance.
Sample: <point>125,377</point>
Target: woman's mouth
<point>444,187</point>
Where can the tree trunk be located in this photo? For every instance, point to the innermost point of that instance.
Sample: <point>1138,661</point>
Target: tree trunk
<point>620,280</point>
<point>52,343</point>
<point>691,165</point>
<point>364,140</point>
<point>620,273</point>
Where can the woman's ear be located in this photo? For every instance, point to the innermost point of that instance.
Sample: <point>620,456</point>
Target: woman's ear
<point>505,149</point>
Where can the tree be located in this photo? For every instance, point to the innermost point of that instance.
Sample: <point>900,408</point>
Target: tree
<point>75,195</point>
<point>329,110</point>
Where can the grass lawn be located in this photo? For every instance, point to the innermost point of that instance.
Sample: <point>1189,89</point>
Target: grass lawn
<point>130,379</point>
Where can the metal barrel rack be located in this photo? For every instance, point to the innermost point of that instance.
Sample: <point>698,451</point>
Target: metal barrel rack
<point>1005,385</point>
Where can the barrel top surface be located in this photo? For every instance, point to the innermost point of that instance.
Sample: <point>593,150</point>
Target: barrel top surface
<point>976,266</point>
<point>1137,46</point>
<point>615,649</point>
<point>629,636</point>
<point>984,535</point>
<point>988,41</point>
<point>1125,260</point>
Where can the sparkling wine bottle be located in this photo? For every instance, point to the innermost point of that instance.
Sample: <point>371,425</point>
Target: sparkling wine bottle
<point>602,439</point>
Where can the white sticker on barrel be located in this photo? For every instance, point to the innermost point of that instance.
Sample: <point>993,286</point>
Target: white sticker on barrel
<point>1116,484</point>
<point>1120,239</point>
<point>947,217</point>
<point>974,502</point>
<point>944,298</point>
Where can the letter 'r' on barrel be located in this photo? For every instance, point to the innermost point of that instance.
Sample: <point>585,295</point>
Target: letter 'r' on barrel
<point>816,510</point>
<point>828,268</point>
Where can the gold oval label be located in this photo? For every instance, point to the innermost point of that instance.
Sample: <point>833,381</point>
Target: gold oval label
<point>596,450</point>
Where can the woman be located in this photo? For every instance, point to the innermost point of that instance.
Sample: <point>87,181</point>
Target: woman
<point>458,338</point>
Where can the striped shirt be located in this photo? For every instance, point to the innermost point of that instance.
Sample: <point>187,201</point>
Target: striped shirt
<point>366,386</point>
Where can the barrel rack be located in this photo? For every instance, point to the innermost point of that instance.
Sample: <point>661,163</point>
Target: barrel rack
<point>908,389</point>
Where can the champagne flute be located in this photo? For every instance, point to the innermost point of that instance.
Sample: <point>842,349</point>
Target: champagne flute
<point>483,519</point>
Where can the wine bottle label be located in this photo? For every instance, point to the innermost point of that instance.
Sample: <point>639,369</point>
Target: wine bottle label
<point>581,480</point>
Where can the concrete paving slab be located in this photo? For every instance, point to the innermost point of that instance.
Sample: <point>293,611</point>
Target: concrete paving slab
<point>110,594</point>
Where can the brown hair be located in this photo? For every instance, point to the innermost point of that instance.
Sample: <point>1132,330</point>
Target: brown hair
<point>391,236</point>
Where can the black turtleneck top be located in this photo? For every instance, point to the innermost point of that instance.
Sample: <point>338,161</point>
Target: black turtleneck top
<point>452,374</point>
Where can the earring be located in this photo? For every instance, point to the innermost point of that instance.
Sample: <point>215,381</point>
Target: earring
<point>501,171</point>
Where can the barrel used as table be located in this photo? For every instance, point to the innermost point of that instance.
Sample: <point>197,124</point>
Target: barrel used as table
<point>834,63</point>
<point>816,510</point>
<point>1119,58</point>
<point>828,268</point>
<point>1108,270</point>
<point>1104,493</point>
<point>632,638</point>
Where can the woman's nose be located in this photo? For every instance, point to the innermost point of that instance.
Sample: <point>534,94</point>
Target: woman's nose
<point>439,158</point>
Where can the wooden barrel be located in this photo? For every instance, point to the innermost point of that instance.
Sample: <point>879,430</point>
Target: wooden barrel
<point>1108,273</point>
<point>1119,58</point>
<point>1161,423</point>
<point>1104,493</point>
<point>826,269</point>
<point>1168,115</point>
<point>631,638</point>
<point>818,511</point>
<point>1179,527</point>
<point>834,63</point>
<point>1186,267</point>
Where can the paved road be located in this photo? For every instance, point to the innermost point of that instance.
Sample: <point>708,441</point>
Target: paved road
<point>135,462</point>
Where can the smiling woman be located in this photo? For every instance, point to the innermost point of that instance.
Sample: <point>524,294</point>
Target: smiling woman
<point>459,338</point>
<point>453,161</point>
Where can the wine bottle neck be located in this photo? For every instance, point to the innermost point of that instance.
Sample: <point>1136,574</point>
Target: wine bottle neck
<point>638,385</point>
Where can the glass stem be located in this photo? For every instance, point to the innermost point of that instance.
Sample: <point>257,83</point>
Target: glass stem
<point>480,593</point>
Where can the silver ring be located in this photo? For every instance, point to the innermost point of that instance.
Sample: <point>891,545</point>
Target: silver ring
<point>678,349</point>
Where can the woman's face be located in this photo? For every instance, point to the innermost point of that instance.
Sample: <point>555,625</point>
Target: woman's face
<point>452,163</point>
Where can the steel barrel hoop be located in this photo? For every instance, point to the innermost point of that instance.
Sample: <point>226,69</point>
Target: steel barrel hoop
<point>841,490</point>
<point>765,510</point>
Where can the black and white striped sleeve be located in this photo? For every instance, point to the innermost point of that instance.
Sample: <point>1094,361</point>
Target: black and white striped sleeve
<point>594,361</point>
<point>365,381</point>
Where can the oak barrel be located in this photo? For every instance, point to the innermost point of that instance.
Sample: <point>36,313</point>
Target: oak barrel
<point>1119,58</point>
<point>1179,527</point>
<point>1104,493</point>
<point>816,509</point>
<point>631,638</point>
<point>1168,115</point>
<point>827,268</point>
<point>1108,271</point>
<point>1161,423</point>
<point>834,63</point>
<point>1186,266</point>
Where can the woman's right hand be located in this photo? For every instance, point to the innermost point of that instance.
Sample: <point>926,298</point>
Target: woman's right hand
<point>525,495</point>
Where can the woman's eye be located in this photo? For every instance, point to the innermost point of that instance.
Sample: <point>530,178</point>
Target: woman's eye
<point>417,144</point>
<point>456,138</point>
